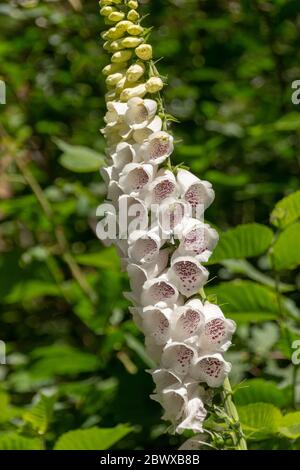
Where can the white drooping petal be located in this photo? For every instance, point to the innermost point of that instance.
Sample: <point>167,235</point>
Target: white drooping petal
<point>189,322</point>
<point>137,278</point>
<point>164,378</point>
<point>218,330</point>
<point>196,192</point>
<point>193,416</point>
<point>178,357</point>
<point>137,316</point>
<point>135,177</point>
<point>188,275</point>
<point>114,192</point>
<point>140,112</point>
<point>162,187</point>
<point>194,443</point>
<point>124,154</point>
<point>198,239</point>
<point>211,369</point>
<point>171,215</point>
<point>109,173</point>
<point>144,246</point>
<point>140,135</point>
<point>133,215</point>
<point>157,148</point>
<point>115,113</point>
<point>156,324</point>
<point>173,399</point>
<point>159,291</point>
<point>153,349</point>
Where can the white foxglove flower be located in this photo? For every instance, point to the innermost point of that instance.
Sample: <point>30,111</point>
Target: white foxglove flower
<point>135,177</point>
<point>195,191</point>
<point>156,323</point>
<point>139,112</point>
<point>144,246</point>
<point>211,369</point>
<point>160,292</point>
<point>188,275</point>
<point>157,148</point>
<point>178,357</point>
<point>163,187</point>
<point>140,135</point>
<point>122,155</point>
<point>194,415</point>
<point>198,239</point>
<point>161,238</point>
<point>115,113</point>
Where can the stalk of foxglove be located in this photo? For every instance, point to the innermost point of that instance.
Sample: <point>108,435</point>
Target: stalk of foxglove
<point>164,252</point>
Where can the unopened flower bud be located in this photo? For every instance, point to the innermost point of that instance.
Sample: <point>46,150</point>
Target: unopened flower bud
<point>113,33</point>
<point>105,2</point>
<point>133,4</point>
<point>116,16</point>
<point>106,11</point>
<point>154,84</point>
<point>139,90</point>
<point>135,72</point>
<point>112,68</point>
<point>131,42</point>
<point>114,78</point>
<point>121,56</point>
<point>123,25</point>
<point>110,95</point>
<point>116,45</point>
<point>133,15</point>
<point>144,51</point>
<point>135,30</point>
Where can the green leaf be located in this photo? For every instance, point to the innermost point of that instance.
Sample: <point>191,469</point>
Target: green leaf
<point>243,241</point>
<point>260,390</point>
<point>286,253</point>
<point>286,211</point>
<point>92,439</point>
<point>41,413</point>
<point>61,360</point>
<point>289,122</point>
<point>79,159</point>
<point>107,258</point>
<point>245,301</point>
<point>241,266</point>
<point>259,420</point>
<point>13,441</point>
<point>290,425</point>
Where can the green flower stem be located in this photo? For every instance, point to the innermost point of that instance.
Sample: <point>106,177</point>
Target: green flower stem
<point>230,408</point>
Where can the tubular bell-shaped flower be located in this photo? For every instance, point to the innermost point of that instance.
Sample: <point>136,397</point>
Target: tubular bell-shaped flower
<point>161,237</point>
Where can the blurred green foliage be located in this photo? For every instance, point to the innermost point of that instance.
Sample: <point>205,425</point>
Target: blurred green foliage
<point>75,361</point>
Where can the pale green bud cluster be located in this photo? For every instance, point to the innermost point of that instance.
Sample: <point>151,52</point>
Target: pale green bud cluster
<point>130,73</point>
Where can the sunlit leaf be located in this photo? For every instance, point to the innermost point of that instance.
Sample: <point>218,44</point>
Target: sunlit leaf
<point>286,211</point>
<point>92,439</point>
<point>243,241</point>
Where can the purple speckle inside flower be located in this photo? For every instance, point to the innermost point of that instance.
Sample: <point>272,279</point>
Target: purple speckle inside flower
<point>146,249</point>
<point>194,195</point>
<point>161,290</point>
<point>159,148</point>
<point>211,367</point>
<point>188,272</point>
<point>137,179</point>
<point>190,321</point>
<point>184,357</point>
<point>194,241</point>
<point>215,330</point>
<point>163,190</point>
